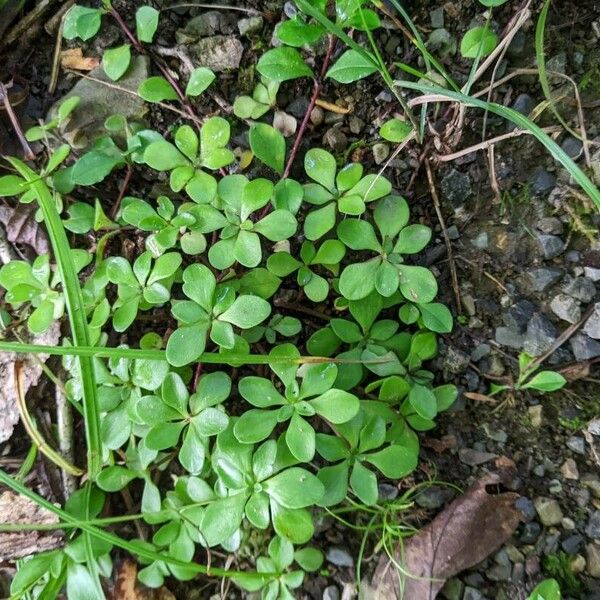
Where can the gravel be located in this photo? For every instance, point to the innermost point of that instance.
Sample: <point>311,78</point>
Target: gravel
<point>339,557</point>
<point>566,308</point>
<point>542,278</point>
<point>592,325</point>
<point>540,335</point>
<point>580,288</point>
<point>577,444</point>
<point>548,510</point>
<point>456,187</point>
<point>584,347</point>
<point>593,527</point>
<point>551,245</point>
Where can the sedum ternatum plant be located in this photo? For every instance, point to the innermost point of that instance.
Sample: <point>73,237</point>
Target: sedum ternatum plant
<point>218,406</point>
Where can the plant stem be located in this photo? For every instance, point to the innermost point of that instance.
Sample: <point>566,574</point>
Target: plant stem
<point>315,95</point>
<point>27,151</point>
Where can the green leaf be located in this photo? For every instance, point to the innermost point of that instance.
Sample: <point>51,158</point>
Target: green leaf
<point>255,425</point>
<point>296,32</point>
<point>436,317</point>
<point>164,156</point>
<point>214,134</point>
<point>546,381</point>
<point>413,239</point>
<point>445,396</point>
<point>351,66</point>
<point>364,483</point>
<point>81,218</point>
<point>192,453</point>
<point>277,225</point>
<point>199,81</point>
<point>335,481</point>
<point>115,61</point>
<point>395,130</point>
<point>417,284</point>
<point>11,185</point>
<point>300,438</point>
<point>295,488</point>
<point>260,392</point>
<point>186,344</point>
<point>222,519</point>
<point>247,312</point>
<point>493,4</point>
<point>81,583</point>
<point>395,461</point>
<point>199,285</point>
<point>93,167</point>
<point>478,42</point>
<point>268,145</point>
<point>336,406</point>
<point>82,22</point>
<point>358,234</point>
<point>146,23</point>
<point>358,280</point>
<point>318,222</point>
<point>310,559</point>
<point>115,478</point>
<point>548,589</point>
<point>156,89</point>
<point>320,166</point>
<point>423,400</point>
<point>282,64</point>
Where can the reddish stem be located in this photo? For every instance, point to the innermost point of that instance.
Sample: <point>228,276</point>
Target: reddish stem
<point>162,68</point>
<point>115,209</point>
<point>315,96</point>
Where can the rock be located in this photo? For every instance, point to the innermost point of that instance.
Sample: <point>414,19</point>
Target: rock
<point>453,589</point>
<point>336,139</point>
<point>592,482</point>
<point>499,572</point>
<point>331,592</point>
<point>339,557</point>
<point>317,115</point>
<point>573,256</point>
<point>290,10</point>
<point>593,560</point>
<point>97,102</point>
<point>471,457</point>
<point>592,325</point>
<point>518,45</point>
<point>437,17</point>
<point>525,505</point>
<point>594,427</point>
<point>531,532</point>
<point>298,107</point>
<point>498,435</point>
<point>581,288</point>
<point>548,510</point>
<point>593,527</point>
<point>205,24</point>
<point>540,335</point>
<point>495,367</point>
<point>569,469</point>
<point>482,241</point>
<point>583,347</point>
<point>456,361</point>
<point>219,52</point>
<point>568,524</point>
<point>518,315</point>
<point>250,25</point>
<point>472,594</point>
<point>592,273</point>
<point>541,181</point>
<point>558,63</point>
<point>578,564</point>
<point>442,42</point>
<point>387,491</point>
<point>551,245</point>
<point>433,497</point>
<point>572,544</point>
<point>506,336</point>
<point>577,444</point>
<point>284,123</point>
<point>480,352</point>
<point>456,187</point>
<point>535,415</point>
<point>566,308</point>
<point>542,278</point>
<point>380,153</point>
<point>550,225</point>
<point>514,554</point>
<point>573,147</point>
<point>356,124</point>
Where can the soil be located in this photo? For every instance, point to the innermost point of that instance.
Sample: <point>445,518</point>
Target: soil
<point>510,272</point>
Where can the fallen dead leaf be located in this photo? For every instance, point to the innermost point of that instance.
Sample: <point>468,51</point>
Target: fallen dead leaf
<point>14,509</point>
<point>461,536</point>
<point>73,59</point>
<point>32,369</point>
<point>480,397</point>
<point>340,110</point>
<point>22,228</point>
<point>128,588</point>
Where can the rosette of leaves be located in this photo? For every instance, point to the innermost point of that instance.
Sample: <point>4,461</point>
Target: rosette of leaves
<point>308,391</point>
<point>346,192</point>
<point>211,311</point>
<point>141,286</point>
<point>278,325</point>
<point>166,226</point>
<point>263,99</point>
<point>35,284</point>
<point>259,485</point>
<point>386,272</point>
<point>240,237</point>
<point>190,154</point>
<point>174,413</point>
<point>361,444</point>
<point>417,404</point>
<point>329,256</point>
<point>121,383</point>
<point>279,559</point>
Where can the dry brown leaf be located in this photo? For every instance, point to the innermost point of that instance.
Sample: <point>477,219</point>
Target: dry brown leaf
<point>480,397</point>
<point>461,536</point>
<point>22,228</point>
<point>15,508</point>
<point>32,369</point>
<point>73,59</point>
<point>128,588</point>
<point>447,442</point>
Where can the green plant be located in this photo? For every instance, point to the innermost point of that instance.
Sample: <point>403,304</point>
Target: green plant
<point>546,590</point>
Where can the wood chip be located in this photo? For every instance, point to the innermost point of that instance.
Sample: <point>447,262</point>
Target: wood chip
<point>128,588</point>
<point>73,59</point>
